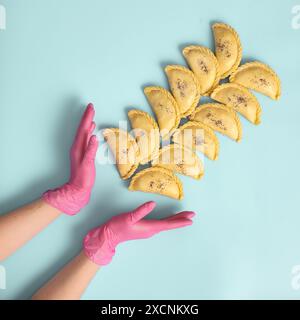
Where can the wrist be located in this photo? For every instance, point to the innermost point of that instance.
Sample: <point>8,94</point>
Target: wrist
<point>98,245</point>
<point>67,198</point>
<point>87,261</point>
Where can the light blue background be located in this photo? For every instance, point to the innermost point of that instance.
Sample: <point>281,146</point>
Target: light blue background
<point>56,56</point>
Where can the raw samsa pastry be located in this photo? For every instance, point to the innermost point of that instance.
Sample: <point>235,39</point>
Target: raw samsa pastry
<point>220,118</point>
<point>204,65</point>
<point>240,99</point>
<point>228,48</point>
<point>157,180</point>
<point>146,133</point>
<point>259,77</point>
<point>181,160</point>
<point>198,136</point>
<point>185,88</point>
<point>125,150</point>
<point>165,108</point>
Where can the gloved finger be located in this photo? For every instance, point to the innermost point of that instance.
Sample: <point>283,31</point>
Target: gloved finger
<point>140,212</point>
<point>83,131</point>
<point>183,214</point>
<point>91,150</point>
<point>92,128</point>
<point>165,225</point>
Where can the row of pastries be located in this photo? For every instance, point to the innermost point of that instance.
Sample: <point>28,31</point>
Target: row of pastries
<point>183,126</point>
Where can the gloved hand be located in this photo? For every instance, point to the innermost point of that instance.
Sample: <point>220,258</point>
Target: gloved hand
<point>100,243</point>
<point>75,194</point>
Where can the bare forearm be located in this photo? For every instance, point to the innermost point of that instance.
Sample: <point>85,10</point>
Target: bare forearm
<point>21,225</point>
<point>71,282</point>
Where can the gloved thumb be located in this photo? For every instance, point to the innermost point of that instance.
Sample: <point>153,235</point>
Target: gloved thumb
<point>140,212</point>
<point>91,149</point>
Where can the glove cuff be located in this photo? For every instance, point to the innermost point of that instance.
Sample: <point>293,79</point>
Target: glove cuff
<point>67,198</point>
<point>98,246</point>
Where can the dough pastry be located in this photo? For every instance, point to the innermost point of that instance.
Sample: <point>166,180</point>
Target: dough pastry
<point>146,134</point>
<point>157,180</point>
<point>198,136</point>
<point>228,48</point>
<point>204,65</point>
<point>181,160</point>
<point>185,88</point>
<point>165,108</point>
<point>124,149</point>
<point>259,77</point>
<point>220,118</point>
<point>240,99</point>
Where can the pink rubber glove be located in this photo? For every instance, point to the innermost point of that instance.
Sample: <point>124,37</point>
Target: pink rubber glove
<point>100,243</point>
<point>75,194</point>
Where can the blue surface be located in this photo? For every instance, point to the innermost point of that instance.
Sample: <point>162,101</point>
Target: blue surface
<point>56,56</point>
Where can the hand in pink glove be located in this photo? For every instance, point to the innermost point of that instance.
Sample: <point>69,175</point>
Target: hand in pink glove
<point>75,194</point>
<point>100,243</point>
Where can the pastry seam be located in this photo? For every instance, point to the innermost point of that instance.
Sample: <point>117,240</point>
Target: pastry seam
<point>148,90</point>
<point>172,146</point>
<point>136,163</point>
<point>164,170</point>
<point>240,49</point>
<point>155,127</point>
<point>207,51</point>
<point>196,82</point>
<point>223,107</point>
<point>243,89</point>
<point>263,66</point>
